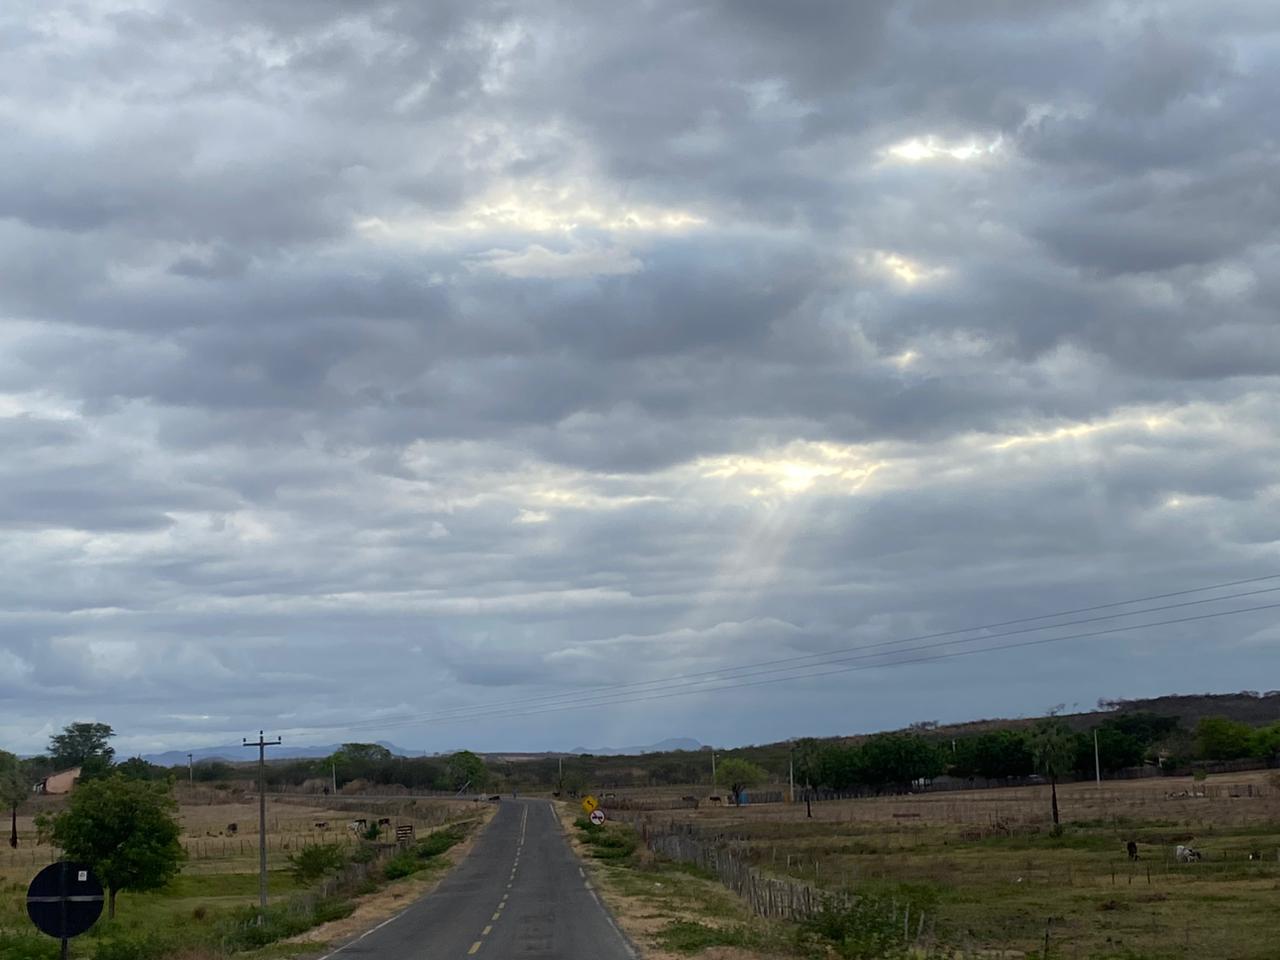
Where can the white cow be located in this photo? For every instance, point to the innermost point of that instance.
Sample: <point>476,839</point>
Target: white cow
<point>1187,854</point>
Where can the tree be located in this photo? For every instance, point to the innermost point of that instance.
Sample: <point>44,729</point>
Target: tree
<point>1053,747</point>
<point>807,756</point>
<point>999,754</point>
<point>738,775</point>
<point>1218,738</point>
<point>464,768</point>
<point>13,791</point>
<point>899,759</point>
<point>1266,741</point>
<point>125,830</point>
<point>135,768</point>
<point>81,743</point>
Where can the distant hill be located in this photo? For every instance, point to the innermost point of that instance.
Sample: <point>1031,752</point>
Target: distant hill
<point>235,753</point>
<point>664,746</point>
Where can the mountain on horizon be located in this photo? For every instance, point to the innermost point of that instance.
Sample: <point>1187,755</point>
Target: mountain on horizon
<point>235,753</point>
<point>663,746</point>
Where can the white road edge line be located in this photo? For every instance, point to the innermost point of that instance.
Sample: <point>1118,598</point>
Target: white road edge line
<point>334,953</point>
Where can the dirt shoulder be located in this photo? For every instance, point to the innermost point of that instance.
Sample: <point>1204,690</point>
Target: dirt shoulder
<point>659,905</point>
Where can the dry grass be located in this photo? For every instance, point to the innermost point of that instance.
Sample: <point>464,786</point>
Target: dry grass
<point>989,874</point>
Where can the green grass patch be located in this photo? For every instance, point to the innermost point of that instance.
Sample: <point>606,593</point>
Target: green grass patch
<point>689,936</point>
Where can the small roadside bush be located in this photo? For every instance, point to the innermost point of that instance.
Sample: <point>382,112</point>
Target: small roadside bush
<point>861,930</point>
<point>401,865</point>
<point>132,946</point>
<point>242,931</point>
<point>311,863</point>
<point>365,853</point>
<point>688,936</point>
<point>437,843</point>
<point>22,946</point>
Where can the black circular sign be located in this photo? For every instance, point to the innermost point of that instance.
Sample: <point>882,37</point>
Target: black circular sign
<point>64,900</point>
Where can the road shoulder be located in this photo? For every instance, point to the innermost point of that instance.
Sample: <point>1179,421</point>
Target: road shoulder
<point>665,911</point>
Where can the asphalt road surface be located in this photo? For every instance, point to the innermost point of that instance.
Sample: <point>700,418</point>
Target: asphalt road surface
<point>519,894</point>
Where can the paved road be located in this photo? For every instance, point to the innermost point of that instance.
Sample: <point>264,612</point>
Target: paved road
<point>519,894</point>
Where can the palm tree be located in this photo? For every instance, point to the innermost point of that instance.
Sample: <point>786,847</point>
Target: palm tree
<point>1053,749</point>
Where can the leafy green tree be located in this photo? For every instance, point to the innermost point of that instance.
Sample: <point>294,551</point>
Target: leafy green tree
<point>81,743</point>
<point>840,767</point>
<point>1053,747</point>
<point>899,759</point>
<point>465,767</point>
<point>1218,738</point>
<point>311,863</point>
<point>1116,750</point>
<point>135,768</point>
<point>738,775</point>
<point>14,790</point>
<point>1147,728</point>
<point>1266,741</point>
<point>807,755</point>
<point>1000,754</point>
<point>126,830</point>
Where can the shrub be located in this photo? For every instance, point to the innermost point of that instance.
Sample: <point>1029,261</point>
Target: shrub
<point>311,863</point>
<point>437,843</point>
<point>243,931</point>
<point>861,930</point>
<point>22,946</point>
<point>401,865</point>
<point>332,908</point>
<point>365,853</point>
<point>132,946</point>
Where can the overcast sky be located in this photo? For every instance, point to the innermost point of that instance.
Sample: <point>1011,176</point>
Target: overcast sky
<point>379,360</point>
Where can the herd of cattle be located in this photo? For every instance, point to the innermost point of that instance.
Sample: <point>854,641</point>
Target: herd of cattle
<point>1183,854</point>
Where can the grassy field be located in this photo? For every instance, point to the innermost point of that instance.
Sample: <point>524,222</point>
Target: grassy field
<point>220,876</point>
<point>989,874</point>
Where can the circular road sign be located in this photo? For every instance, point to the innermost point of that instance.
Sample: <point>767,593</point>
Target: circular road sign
<point>64,900</point>
<point>589,804</point>
<point>597,817</point>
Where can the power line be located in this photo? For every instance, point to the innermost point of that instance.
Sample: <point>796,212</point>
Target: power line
<point>784,664</point>
<point>508,711</point>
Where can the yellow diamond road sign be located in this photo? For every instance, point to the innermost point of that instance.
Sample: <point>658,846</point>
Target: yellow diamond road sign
<point>589,804</point>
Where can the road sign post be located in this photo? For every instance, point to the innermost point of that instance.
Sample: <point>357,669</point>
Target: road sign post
<point>64,900</point>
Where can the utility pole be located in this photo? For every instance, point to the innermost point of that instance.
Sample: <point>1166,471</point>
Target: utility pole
<point>191,770</point>
<point>333,769</point>
<point>713,766</point>
<point>1097,764</point>
<point>560,780</point>
<point>261,743</point>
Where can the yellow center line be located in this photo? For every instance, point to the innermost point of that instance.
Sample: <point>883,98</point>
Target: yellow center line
<point>496,915</point>
<point>485,931</point>
<point>474,947</point>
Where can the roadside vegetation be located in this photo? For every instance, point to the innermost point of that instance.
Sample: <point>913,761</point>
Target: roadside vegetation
<point>980,873</point>
<point>181,878</point>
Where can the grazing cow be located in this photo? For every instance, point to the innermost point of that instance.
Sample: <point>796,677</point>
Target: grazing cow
<point>384,821</point>
<point>715,799</point>
<point>1255,854</point>
<point>1187,854</point>
<point>1132,847</point>
<point>232,828</point>
<point>356,826</point>
<point>322,824</point>
<point>611,796</point>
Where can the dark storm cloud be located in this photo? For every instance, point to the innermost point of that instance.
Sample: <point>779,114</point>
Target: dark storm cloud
<point>351,352</point>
